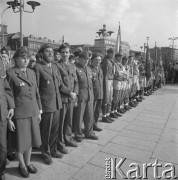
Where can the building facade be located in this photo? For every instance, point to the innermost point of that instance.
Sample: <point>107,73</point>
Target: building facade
<point>3,35</point>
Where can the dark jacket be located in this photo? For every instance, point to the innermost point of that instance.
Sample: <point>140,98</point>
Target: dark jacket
<point>84,75</point>
<point>97,82</point>
<point>6,96</point>
<point>48,83</point>
<point>25,91</point>
<point>69,79</point>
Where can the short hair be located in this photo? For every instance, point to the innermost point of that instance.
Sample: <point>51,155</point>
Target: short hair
<point>95,55</point>
<point>64,46</point>
<point>110,50</point>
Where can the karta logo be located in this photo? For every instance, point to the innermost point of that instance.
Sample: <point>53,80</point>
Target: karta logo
<point>134,170</point>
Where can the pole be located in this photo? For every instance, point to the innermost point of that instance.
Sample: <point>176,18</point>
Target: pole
<point>21,35</point>
<point>172,50</point>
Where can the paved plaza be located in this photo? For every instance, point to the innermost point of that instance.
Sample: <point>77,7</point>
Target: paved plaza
<point>142,135</point>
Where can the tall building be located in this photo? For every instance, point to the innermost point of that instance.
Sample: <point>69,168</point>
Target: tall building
<point>32,42</point>
<point>102,45</point>
<point>3,35</point>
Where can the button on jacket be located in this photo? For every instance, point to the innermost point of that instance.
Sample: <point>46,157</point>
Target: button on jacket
<point>97,82</point>
<point>69,79</point>
<point>48,82</point>
<point>25,91</point>
<point>84,75</point>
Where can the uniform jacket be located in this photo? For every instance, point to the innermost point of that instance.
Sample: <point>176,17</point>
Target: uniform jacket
<point>119,73</point>
<point>84,75</point>
<point>135,67</point>
<point>97,82</point>
<point>48,83</point>
<point>6,96</point>
<point>25,91</point>
<point>69,79</point>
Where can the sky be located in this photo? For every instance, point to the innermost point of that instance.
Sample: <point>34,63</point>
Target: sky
<point>79,20</point>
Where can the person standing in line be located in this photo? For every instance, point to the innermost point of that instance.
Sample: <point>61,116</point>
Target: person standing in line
<point>48,80</point>
<point>27,113</point>
<point>84,110</point>
<point>32,61</point>
<point>108,68</point>
<point>69,98</point>
<point>97,88</point>
<point>7,106</point>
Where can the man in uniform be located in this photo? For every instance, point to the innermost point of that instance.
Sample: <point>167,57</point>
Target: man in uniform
<point>97,87</point>
<point>7,106</point>
<point>69,99</point>
<point>48,79</point>
<point>84,110</point>
<point>108,68</point>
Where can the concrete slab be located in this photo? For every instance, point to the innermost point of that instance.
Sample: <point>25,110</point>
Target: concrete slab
<point>167,152</point>
<point>170,135</point>
<point>139,135</point>
<point>127,152</point>
<point>144,129</point>
<point>151,119</point>
<point>134,143</point>
<point>118,125</point>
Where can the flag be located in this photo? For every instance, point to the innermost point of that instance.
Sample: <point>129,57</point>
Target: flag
<point>63,39</point>
<point>118,41</point>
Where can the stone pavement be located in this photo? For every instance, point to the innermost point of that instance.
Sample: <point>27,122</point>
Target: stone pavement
<point>142,135</point>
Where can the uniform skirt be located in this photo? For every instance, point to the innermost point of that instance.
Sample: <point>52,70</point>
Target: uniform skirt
<point>26,135</point>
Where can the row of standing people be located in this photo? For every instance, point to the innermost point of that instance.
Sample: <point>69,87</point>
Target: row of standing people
<point>51,101</point>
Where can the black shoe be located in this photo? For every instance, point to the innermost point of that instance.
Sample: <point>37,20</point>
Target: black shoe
<point>122,111</point>
<point>112,115</point>
<point>56,154</point>
<point>11,156</point>
<point>146,94</point>
<point>79,139</point>
<point>96,128</point>
<point>126,108</point>
<point>7,161</point>
<point>138,99</point>
<point>32,169</point>
<point>47,159</point>
<point>111,119</point>
<point>72,143</point>
<point>64,150</point>
<point>118,114</point>
<point>106,120</point>
<point>23,172</point>
<point>93,137</point>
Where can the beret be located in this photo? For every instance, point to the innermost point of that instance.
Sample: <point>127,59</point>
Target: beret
<point>44,46</point>
<point>84,55</point>
<point>21,52</point>
<point>110,50</point>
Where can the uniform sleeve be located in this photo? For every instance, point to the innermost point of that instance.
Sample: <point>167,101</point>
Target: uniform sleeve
<point>37,73</point>
<point>104,67</point>
<point>9,94</point>
<point>75,82</point>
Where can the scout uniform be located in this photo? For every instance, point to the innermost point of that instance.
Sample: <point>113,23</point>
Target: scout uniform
<point>84,110</point>
<point>108,68</point>
<point>69,79</point>
<point>98,93</point>
<point>6,102</point>
<point>49,82</point>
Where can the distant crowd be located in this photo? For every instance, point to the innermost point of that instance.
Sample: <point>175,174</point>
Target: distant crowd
<point>55,99</point>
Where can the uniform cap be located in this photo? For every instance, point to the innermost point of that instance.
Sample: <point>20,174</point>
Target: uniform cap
<point>137,53</point>
<point>44,46</point>
<point>84,55</point>
<point>96,55</point>
<point>21,52</point>
<point>110,50</point>
<point>118,55</point>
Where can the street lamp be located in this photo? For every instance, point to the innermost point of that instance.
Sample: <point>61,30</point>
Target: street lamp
<point>103,33</point>
<point>20,8</point>
<point>173,39</point>
<point>2,25</point>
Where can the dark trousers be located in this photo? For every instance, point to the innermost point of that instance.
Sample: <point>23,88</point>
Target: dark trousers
<point>3,145</point>
<point>96,108</point>
<point>65,125</point>
<point>83,112</point>
<point>49,128</point>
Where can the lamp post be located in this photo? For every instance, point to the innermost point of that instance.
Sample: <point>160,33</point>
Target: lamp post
<point>103,33</point>
<point>2,25</point>
<point>147,38</point>
<point>173,39</point>
<point>19,7</point>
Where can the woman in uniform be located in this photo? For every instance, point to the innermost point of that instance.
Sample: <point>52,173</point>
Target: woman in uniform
<point>27,113</point>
